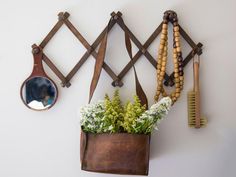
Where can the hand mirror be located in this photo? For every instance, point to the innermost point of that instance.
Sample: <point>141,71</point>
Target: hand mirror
<point>38,92</point>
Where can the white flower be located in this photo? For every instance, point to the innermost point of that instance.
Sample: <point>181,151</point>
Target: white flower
<point>150,118</point>
<point>110,127</point>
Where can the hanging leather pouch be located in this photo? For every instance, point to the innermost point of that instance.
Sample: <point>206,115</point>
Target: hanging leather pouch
<point>117,153</point>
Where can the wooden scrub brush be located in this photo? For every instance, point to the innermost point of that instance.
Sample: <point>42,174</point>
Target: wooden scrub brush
<point>194,113</point>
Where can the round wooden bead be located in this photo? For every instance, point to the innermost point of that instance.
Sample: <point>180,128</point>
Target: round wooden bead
<point>161,47</point>
<point>177,39</point>
<point>160,56</point>
<point>176,80</point>
<point>176,65</point>
<point>177,95</point>
<point>164,31</point>
<point>178,49</point>
<point>163,63</point>
<point>164,58</point>
<point>180,64</point>
<point>175,62</point>
<point>172,94</point>
<point>163,36</point>
<point>164,26</point>
<point>180,58</point>
<point>162,42</point>
<point>164,94</point>
<point>176,34</point>
<point>160,51</point>
<point>159,59</point>
<point>176,28</point>
<point>160,79</point>
<point>177,90</point>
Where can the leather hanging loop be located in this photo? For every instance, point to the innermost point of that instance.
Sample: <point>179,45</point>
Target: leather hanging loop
<point>99,62</point>
<point>139,90</point>
<point>38,65</point>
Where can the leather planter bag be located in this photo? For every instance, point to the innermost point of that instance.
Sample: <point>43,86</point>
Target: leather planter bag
<point>118,153</point>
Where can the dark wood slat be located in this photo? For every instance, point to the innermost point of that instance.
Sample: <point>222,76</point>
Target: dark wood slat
<point>54,30</point>
<point>139,53</point>
<point>187,59</point>
<point>90,51</point>
<point>116,18</point>
<point>138,44</point>
<point>56,71</point>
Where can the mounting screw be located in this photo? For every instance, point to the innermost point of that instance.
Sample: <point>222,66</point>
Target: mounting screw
<point>35,50</point>
<point>116,83</point>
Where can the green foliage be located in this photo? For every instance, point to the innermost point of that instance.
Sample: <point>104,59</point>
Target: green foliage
<point>113,115</point>
<point>131,113</point>
<point>148,121</point>
<point>110,116</point>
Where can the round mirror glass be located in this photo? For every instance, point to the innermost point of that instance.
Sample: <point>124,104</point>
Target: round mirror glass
<point>39,93</point>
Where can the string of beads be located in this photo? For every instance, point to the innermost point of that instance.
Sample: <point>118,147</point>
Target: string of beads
<point>170,16</point>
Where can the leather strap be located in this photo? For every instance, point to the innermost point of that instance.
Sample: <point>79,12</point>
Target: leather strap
<point>100,60</point>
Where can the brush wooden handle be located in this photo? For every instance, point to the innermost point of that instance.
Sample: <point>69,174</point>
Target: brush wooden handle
<point>197,94</point>
<point>196,76</point>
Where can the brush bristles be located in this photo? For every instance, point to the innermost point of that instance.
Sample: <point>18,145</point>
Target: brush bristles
<point>192,110</point>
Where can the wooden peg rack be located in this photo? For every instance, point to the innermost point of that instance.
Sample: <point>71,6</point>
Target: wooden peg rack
<point>117,79</point>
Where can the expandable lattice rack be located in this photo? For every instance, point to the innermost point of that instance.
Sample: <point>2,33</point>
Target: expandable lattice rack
<point>117,79</point>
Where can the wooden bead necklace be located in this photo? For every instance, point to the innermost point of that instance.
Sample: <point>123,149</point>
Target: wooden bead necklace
<point>170,16</point>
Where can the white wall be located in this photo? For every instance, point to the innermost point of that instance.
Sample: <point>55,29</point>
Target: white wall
<point>46,144</point>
